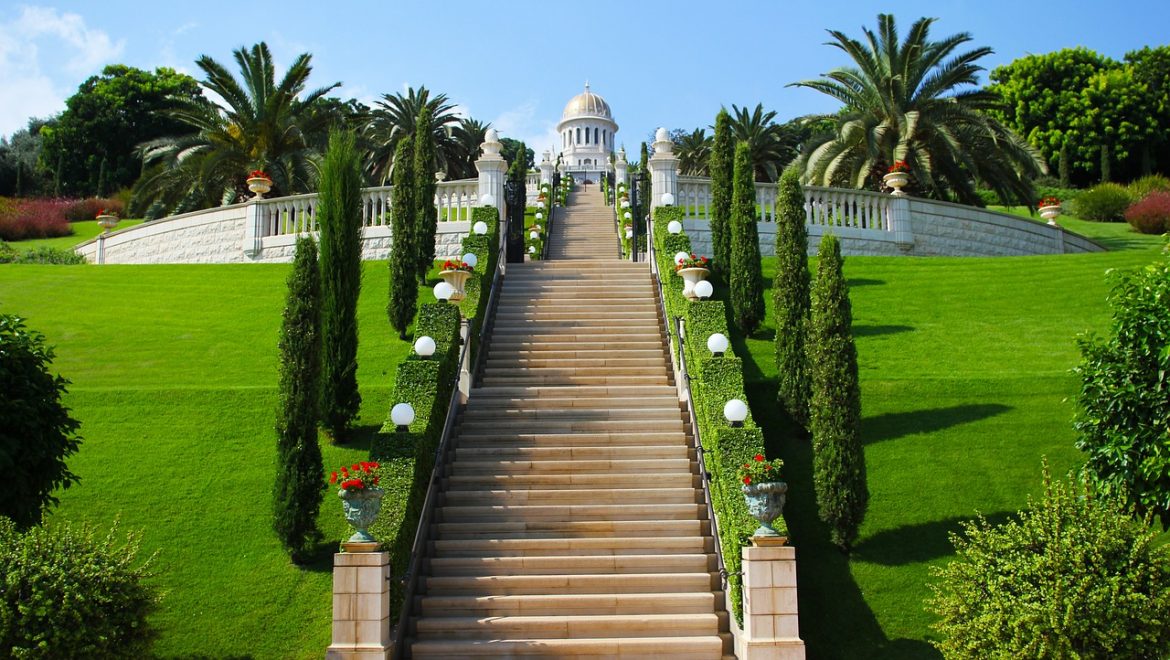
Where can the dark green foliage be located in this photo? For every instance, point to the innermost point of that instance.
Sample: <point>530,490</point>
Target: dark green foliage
<point>1139,188</point>
<point>747,277</point>
<point>1104,202</point>
<point>403,301</point>
<point>297,494</point>
<point>37,432</point>
<point>426,217</point>
<point>1072,578</point>
<point>1063,167</point>
<point>41,255</point>
<point>1124,417</point>
<point>339,216</point>
<point>512,149</point>
<point>68,593</point>
<point>835,402</point>
<point>790,297</point>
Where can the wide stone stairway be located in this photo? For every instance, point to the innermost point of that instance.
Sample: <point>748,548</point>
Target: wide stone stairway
<point>571,520</point>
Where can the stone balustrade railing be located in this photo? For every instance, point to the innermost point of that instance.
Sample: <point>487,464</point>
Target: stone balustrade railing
<point>841,207</point>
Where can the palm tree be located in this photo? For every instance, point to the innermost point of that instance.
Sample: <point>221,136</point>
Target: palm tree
<point>253,123</point>
<point>694,151</point>
<point>394,118</point>
<point>468,137</point>
<point>770,145</point>
<point>903,103</point>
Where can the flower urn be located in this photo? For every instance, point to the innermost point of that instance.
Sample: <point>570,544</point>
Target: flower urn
<point>107,221</point>
<point>691,277</point>
<point>896,180</point>
<point>259,185</point>
<point>361,507</point>
<point>457,278</point>
<point>1050,213</point>
<point>765,503</point>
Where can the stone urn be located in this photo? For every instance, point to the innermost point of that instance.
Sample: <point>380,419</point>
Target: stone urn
<point>765,503</point>
<point>107,222</point>
<point>897,180</point>
<point>1050,213</point>
<point>691,277</point>
<point>259,185</point>
<point>457,278</point>
<point>361,507</point>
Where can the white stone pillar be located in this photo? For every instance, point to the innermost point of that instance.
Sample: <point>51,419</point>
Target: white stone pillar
<point>900,223</point>
<point>492,169</point>
<point>663,169</point>
<point>770,622</point>
<point>621,169</point>
<point>361,606</point>
<point>253,233</point>
<point>546,169</point>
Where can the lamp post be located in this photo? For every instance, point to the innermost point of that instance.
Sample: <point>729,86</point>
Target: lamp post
<point>514,196</point>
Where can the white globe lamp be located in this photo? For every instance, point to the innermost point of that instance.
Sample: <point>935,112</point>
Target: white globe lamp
<point>479,228</point>
<point>680,257</point>
<point>443,291</point>
<point>470,259</point>
<point>487,200</point>
<point>703,289</point>
<point>424,347</point>
<point>735,411</point>
<point>667,199</point>
<point>718,344</point>
<point>402,414</point>
<point>674,227</point>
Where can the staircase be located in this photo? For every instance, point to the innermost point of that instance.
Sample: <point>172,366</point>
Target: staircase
<point>571,521</point>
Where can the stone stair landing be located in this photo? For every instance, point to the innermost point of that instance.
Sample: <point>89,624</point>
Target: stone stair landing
<point>571,521</point>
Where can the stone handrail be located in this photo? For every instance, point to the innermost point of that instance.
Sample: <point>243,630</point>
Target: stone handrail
<point>842,207</point>
<point>694,196</point>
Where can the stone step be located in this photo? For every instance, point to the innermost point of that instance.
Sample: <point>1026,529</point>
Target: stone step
<point>624,583</point>
<point>574,380</point>
<point>479,437</point>
<point>533,605</point>
<point>569,565</point>
<point>561,353</point>
<point>515,482</point>
<point>569,627</point>
<point>594,323</point>
<point>644,545</point>
<point>584,452</point>
<point>505,361</point>
<point>522,426</point>
<point>639,330</point>
<point>646,312</point>
<point>590,303</point>
<point>571,370</point>
<point>544,529</point>
<point>608,345</point>
<point>479,402</point>
<point>645,648</point>
<point>542,497</point>
<point>646,467</point>
<point>513,415</point>
<point>538,391</point>
<point>606,512</point>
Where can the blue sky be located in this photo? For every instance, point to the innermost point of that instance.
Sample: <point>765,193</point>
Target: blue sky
<point>516,63</point>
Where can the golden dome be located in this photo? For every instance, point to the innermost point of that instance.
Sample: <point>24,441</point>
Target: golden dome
<point>586,104</point>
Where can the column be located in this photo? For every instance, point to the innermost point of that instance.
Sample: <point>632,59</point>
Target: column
<point>899,210</point>
<point>621,168</point>
<point>546,168</point>
<point>361,606</point>
<point>663,169</point>
<point>253,233</point>
<point>770,622</point>
<point>492,168</point>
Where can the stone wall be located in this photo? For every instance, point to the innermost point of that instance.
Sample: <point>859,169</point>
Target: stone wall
<point>217,237</point>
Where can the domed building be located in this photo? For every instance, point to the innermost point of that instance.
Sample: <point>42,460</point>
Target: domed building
<point>587,129</point>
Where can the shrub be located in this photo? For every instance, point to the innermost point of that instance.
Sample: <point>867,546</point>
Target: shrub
<point>68,593</point>
<point>77,210</point>
<point>790,298</point>
<point>835,401</point>
<point>403,301</point>
<point>426,216</point>
<point>1104,202</point>
<point>33,218</point>
<point>721,167</point>
<point>1123,423</point>
<point>339,216</point>
<point>41,255</point>
<point>747,278</point>
<point>1151,215</point>
<point>1071,578</point>
<point>297,494</point>
<point>1147,184</point>
<point>37,433</point>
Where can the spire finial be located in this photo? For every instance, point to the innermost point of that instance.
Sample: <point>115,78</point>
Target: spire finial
<point>587,84</point>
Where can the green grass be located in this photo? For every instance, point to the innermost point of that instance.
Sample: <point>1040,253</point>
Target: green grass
<point>965,380</point>
<point>174,371</point>
<point>82,232</point>
<point>1112,235</point>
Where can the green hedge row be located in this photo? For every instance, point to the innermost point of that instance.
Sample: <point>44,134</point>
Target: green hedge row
<point>407,459</point>
<point>713,382</point>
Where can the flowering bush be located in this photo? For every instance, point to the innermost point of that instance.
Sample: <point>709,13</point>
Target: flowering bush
<point>899,166</point>
<point>1049,201</point>
<point>693,261</point>
<point>760,470</point>
<point>258,174</point>
<point>1151,215</point>
<point>33,218</point>
<point>88,209</point>
<point>359,476</point>
<point>456,265</point>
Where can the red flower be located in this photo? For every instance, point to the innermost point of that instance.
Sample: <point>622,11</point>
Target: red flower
<point>333,478</point>
<point>747,480</point>
<point>759,457</point>
<point>355,467</point>
<point>345,473</point>
<point>258,174</point>
<point>375,481</point>
<point>767,467</point>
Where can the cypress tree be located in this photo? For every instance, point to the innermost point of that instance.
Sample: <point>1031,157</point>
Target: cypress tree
<point>403,303</point>
<point>426,218</point>
<point>19,180</point>
<point>747,277</point>
<point>790,297</point>
<point>103,179</point>
<point>1063,167</point>
<point>297,494</point>
<point>835,403</point>
<point>339,217</point>
<point>1106,165</point>
<point>720,165</point>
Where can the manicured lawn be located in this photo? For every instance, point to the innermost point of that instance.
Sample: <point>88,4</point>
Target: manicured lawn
<point>174,381</point>
<point>965,385</point>
<point>82,231</point>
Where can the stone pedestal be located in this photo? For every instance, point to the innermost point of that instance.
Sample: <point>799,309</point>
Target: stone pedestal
<point>663,169</point>
<point>900,223</point>
<point>546,169</point>
<point>253,236</point>
<point>361,606</point>
<point>770,623</point>
<point>621,169</point>
<point>492,168</point>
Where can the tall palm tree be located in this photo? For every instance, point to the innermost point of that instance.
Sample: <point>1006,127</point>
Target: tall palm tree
<point>394,118</point>
<point>903,102</point>
<point>694,152</point>
<point>250,123</point>
<point>770,145</point>
<point>468,137</point>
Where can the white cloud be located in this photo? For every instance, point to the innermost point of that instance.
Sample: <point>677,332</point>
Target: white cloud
<point>524,123</point>
<point>36,84</point>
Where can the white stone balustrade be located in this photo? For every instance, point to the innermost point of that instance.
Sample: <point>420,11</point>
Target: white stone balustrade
<point>840,207</point>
